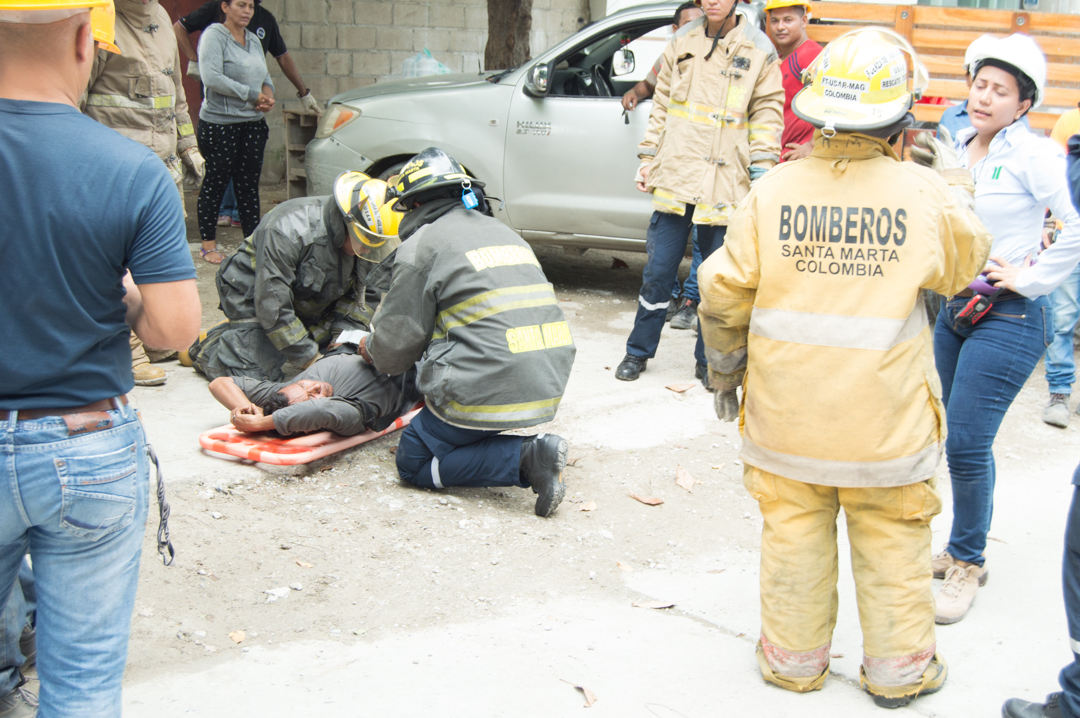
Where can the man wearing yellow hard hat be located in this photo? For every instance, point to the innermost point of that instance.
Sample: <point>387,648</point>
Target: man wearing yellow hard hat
<point>786,22</point>
<point>814,308</point>
<point>92,247</point>
<point>298,282</point>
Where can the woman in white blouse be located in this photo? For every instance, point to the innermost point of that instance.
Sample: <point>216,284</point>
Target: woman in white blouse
<point>984,365</point>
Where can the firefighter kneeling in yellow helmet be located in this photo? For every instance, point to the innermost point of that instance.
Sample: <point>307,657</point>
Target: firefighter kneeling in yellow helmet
<point>813,306</point>
<point>298,281</point>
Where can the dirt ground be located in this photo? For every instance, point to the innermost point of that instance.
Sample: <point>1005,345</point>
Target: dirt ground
<point>367,559</point>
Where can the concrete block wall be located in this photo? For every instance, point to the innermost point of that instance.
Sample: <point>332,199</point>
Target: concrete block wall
<point>339,45</point>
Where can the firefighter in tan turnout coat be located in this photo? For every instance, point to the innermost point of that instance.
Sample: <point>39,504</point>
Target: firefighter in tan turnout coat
<point>140,94</point>
<point>715,127</point>
<point>813,306</point>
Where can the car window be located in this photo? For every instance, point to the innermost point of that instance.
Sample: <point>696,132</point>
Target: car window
<point>647,49</point>
<point>585,71</point>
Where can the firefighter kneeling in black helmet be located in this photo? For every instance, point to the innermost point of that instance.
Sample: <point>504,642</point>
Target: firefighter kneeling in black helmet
<point>469,301</point>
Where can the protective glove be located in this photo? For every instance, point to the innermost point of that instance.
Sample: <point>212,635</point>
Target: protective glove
<point>194,162</point>
<point>311,105</point>
<point>726,403</point>
<point>937,153</point>
<point>756,172</point>
<point>726,400</point>
<point>193,69</point>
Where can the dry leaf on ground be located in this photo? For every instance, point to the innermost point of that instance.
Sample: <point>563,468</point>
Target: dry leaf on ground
<point>684,479</point>
<point>590,697</point>
<point>718,466</point>
<point>573,461</point>
<point>653,604</point>
<point>303,564</point>
<point>716,570</point>
<point>647,500</point>
<point>679,388</point>
<point>836,655</point>
<point>624,566</point>
<point>237,636</point>
<point>590,506</point>
<point>617,263</point>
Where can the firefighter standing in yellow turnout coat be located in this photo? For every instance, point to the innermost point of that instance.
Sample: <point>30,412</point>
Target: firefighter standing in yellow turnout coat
<point>813,306</point>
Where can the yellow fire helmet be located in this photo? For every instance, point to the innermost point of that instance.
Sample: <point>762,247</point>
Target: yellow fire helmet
<point>103,25</point>
<point>369,215</point>
<point>777,4</point>
<point>861,82</point>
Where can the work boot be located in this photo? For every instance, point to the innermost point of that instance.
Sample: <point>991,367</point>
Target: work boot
<point>1056,412</point>
<point>1017,708</point>
<point>28,646</point>
<point>543,458</point>
<point>899,696</point>
<point>20,703</point>
<point>684,318</point>
<point>145,374</point>
<point>701,371</point>
<point>672,307</point>
<point>958,593</point>
<point>943,561</point>
<point>156,355</point>
<point>630,368</point>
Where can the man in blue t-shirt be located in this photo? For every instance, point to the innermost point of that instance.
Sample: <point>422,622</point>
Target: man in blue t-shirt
<point>92,245</point>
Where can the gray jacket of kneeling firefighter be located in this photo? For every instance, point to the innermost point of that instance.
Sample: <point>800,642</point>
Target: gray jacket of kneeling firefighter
<point>469,301</point>
<point>814,307</point>
<point>299,281</point>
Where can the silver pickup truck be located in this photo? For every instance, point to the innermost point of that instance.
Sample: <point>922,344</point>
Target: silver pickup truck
<point>549,138</point>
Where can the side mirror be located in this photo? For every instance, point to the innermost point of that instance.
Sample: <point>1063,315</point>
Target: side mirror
<point>538,80</point>
<point>622,63</point>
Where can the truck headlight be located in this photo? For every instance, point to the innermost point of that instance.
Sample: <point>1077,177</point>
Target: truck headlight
<point>335,118</point>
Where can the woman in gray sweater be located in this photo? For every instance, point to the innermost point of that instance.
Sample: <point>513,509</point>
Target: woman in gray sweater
<point>232,132</point>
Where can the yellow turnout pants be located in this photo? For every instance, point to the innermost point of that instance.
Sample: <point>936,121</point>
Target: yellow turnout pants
<point>889,530</point>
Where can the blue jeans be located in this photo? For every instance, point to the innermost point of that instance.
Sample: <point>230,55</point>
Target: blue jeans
<point>982,369</point>
<point>229,207</point>
<point>435,455</point>
<point>79,505</point>
<point>1060,366</point>
<point>16,614</point>
<point>1069,678</point>
<point>689,288</point>
<point>665,245</point>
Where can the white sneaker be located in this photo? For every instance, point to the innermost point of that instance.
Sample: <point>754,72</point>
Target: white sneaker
<point>958,593</point>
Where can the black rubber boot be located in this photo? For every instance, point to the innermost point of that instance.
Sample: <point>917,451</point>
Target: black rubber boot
<point>543,458</point>
<point>1016,708</point>
<point>630,368</point>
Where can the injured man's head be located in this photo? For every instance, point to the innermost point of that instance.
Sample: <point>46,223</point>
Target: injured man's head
<point>298,391</point>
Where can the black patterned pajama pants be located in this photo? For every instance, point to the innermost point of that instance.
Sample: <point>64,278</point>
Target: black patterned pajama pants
<point>232,152</point>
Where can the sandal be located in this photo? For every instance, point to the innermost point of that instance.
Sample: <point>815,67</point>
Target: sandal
<point>206,252</point>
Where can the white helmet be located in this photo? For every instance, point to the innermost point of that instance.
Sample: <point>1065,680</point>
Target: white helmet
<point>1021,52</point>
<point>978,44</point>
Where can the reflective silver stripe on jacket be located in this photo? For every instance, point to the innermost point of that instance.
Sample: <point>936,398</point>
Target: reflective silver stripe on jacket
<point>131,103</point>
<point>836,330</point>
<point>845,474</point>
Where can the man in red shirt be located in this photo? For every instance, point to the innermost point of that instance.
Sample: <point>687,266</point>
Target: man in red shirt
<point>787,29</point>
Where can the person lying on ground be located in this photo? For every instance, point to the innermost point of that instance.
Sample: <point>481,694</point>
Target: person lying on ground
<point>340,393</point>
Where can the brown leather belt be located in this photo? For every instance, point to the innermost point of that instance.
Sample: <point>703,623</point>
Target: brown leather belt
<point>1003,297</point>
<point>103,405</point>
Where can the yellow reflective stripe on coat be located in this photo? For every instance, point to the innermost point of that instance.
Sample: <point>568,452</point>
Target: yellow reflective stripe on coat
<point>836,330</point>
<point>705,115</point>
<point>496,413</point>
<point>289,334</point>
<point>664,201</point>
<point>130,103</point>
<point>900,471</point>
<point>486,304</point>
<point>185,129</point>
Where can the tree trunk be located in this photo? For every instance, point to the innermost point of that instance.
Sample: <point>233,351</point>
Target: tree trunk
<point>509,23</point>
